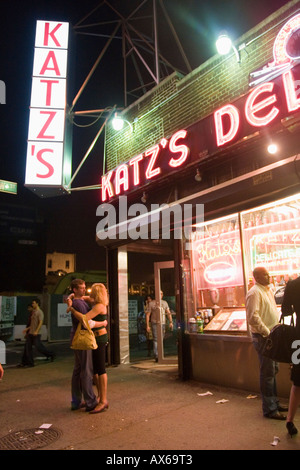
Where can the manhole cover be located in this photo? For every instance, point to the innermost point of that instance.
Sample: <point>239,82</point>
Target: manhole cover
<point>29,439</point>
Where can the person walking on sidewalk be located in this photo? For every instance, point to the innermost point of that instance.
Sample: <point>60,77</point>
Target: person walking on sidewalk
<point>157,311</point>
<point>262,316</point>
<point>33,336</point>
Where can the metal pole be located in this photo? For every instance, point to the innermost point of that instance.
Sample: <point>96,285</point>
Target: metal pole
<point>91,147</point>
<point>94,67</point>
<point>156,42</point>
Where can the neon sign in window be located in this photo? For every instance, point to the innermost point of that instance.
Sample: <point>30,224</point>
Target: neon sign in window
<point>217,255</point>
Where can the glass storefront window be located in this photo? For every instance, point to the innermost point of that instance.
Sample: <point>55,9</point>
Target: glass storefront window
<point>218,279</point>
<point>221,271</point>
<point>271,236</point>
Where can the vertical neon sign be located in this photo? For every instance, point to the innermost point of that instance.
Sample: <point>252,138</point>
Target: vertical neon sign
<point>46,164</point>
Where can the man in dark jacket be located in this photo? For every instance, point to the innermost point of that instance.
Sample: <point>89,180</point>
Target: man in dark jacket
<point>291,304</point>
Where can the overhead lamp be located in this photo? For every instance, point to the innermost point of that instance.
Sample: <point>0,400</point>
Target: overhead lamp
<point>144,197</point>
<point>224,45</point>
<point>118,123</point>
<point>198,175</point>
<point>272,148</point>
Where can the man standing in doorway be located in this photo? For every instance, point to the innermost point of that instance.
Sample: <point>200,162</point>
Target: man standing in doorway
<point>156,313</point>
<point>82,377</point>
<point>262,316</point>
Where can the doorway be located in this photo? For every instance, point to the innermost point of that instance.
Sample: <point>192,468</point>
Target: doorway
<point>164,283</point>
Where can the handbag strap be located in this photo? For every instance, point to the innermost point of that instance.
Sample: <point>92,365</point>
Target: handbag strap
<point>84,323</point>
<point>292,323</point>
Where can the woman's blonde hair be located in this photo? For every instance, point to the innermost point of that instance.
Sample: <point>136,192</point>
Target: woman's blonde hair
<point>99,294</point>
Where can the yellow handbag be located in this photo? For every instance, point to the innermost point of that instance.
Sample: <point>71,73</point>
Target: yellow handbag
<point>84,339</point>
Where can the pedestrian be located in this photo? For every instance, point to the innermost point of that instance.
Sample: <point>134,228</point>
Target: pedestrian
<point>291,304</point>
<point>158,311</point>
<point>82,393</point>
<point>97,317</point>
<point>1,372</point>
<point>33,336</point>
<point>149,335</point>
<point>262,315</point>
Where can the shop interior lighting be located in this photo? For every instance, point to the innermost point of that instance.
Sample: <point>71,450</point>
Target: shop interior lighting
<point>144,197</point>
<point>272,148</point>
<point>118,123</point>
<point>198,175</point>
<point>224,46</point>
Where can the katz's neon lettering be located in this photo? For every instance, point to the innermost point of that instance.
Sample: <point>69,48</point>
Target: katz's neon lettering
<point>234,118</point>
<point>180,148</point>
<point>48,33</point>
<point>136,169</point>
<point>150,172</point>
<point>50,57</point>
<point>106,186</point>
<point>41,134</point>
<point>293,103</point>
<point>251,108</point>
<point>122,178</point>
<point>39,157</point>
<point>258,109</point>
<point>49,84</point>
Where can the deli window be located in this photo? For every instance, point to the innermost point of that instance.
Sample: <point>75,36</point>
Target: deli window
<point>222,255</point>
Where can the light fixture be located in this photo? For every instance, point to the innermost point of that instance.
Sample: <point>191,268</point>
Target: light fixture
<point>198,175</point>
<point>144,197</point>
<point>118,123</point>
<point>224,45</point>
<point>272,148</point>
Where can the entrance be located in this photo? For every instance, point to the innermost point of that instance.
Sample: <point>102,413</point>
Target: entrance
<point>164,280</point>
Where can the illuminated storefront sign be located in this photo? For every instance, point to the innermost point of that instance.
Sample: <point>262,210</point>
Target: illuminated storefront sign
<point>278,251</point>
<point>263,106</point>
<point>217,255</point>
<point>48,164</point>
<point>285,52</point>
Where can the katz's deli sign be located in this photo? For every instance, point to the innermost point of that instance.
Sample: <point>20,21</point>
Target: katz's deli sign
<point>46,134</point>
<point>267,103</point>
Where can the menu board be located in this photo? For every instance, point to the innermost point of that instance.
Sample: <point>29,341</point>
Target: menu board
<point>229,321</point>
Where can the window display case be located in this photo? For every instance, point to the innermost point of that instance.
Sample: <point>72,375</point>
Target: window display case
<point>222,256</point>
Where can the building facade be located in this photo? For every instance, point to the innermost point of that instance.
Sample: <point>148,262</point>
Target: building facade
<point>200,143</point>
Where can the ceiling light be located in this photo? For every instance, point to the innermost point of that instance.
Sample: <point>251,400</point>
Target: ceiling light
<point>198,175</point>
<point>224,45</point>
<point>118,123</point>
<point>272,148</point>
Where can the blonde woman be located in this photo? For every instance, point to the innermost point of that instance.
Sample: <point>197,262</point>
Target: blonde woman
<point>98,315</point>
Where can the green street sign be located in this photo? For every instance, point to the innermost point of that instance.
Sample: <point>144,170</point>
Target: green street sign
<point>8,187</point>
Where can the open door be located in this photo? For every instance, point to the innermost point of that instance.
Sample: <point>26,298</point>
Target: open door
<point>164,279</point>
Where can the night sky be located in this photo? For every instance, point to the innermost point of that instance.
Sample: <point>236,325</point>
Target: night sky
<point>71,220</point>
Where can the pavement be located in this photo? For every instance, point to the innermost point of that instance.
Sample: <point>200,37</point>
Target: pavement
<point>150,409</point>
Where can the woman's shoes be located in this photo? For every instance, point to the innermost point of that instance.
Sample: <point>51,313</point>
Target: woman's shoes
<point>99,408</point>
<point>292,430</point>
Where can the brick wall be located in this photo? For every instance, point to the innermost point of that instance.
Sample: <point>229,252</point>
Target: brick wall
<point>179,101</point>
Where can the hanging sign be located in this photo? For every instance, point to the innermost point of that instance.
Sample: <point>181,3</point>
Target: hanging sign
<point>48,164</point>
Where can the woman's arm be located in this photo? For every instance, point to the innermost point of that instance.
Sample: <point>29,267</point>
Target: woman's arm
<point>89,316</point>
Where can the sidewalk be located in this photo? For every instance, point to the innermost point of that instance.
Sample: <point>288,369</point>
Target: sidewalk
<point>149,409</point>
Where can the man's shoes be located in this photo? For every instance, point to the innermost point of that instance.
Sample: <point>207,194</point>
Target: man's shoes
<point>78,407</point>
<point>283,408</point>
<point>277,415</point>
<point>24,365</point>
